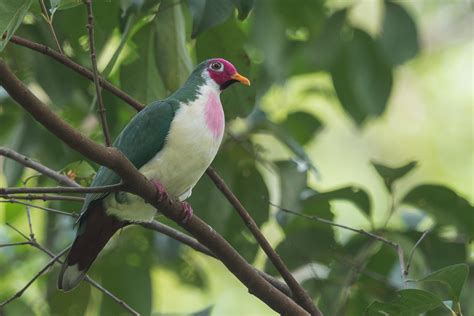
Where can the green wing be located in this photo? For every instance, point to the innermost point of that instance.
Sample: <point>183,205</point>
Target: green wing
<point>142,138</point>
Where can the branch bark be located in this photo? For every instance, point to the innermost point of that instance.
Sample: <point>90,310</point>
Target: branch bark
<point>136,183</point>
<point>297,290</point>
<point>95,72</point>
<point>61,179</point>
<point>106,188</point>
<point>83,71</point>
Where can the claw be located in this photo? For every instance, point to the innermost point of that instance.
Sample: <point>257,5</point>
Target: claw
<point>187,210</point>
<point>160,191</point>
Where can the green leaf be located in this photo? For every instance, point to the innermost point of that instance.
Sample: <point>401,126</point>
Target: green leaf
<point>172,56</point>
<point>390,175</point>
<point>292,183</point>
<point>227,41</point>
<point>362,78</point>
<point>12,13</point>
<point>444,205</point>
<point>209,13</point>
<point>399,38</point>
<point>453,276</point>
<point>329,42</point>
<point>244,7</point>
<point>64,4</point>
<point>410,302</point>
<point>352,194</point>
<point>140,77</point>
<point>301,126</point>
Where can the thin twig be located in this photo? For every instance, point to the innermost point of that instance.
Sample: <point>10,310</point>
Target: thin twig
<point>30,225</point>
<point>410,257</point>
<point>28,162</point>
<point>14,244</point>
<point>90,28</point>
<point>298,293</point>
<point>83,71</point>
<point>49,21</point>
<point>36,276</point>
<point>101,189</point>
<point>47,209</point>
<point>196,245</point>
<point>325,221</point>
<point>43,197</point>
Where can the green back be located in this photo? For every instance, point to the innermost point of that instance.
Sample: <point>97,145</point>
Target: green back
<point>142,138</point>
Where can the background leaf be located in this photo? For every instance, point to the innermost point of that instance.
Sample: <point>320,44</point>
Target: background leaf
<point>12,13</point>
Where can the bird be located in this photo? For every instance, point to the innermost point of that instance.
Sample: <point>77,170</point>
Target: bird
<point>171,142</point>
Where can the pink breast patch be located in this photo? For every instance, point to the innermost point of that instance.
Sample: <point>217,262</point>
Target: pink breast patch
<point>214,115</point>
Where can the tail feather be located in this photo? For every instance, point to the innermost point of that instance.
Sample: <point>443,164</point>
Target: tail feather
<point>95,230</point>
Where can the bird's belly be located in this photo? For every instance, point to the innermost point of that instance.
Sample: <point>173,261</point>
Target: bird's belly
<point>189,150</point>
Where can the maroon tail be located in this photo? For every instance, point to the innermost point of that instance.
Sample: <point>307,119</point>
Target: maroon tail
<point>95,230</point>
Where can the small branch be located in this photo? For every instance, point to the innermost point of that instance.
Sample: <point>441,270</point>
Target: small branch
<point>28,162</point>
<point>298,293</point>
<point>196,245</point>
<point>47,209</point>
<point>30,225</point>
<point>90,28</point>
<point>105,188</point>
<point>14,244</point>
<point>49,21</point>
<point>43,197</point>
<point>83,71</point>
<point>325,221</point>
<point>410,257</point>
<point>36,276</point>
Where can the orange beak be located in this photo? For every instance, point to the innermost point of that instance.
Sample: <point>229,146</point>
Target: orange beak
<point>241,79</point>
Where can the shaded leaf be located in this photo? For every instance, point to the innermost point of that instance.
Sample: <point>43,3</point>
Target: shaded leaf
<point>355,195</point>
<point>243,7</point>
<point>12,13</point>
<point>292,183</point>
<point>444,205</point>
<point>301,126</point>
<point>171,55</point>
<point>227,41</point>
<point>362,78</point>
<point>453,276</point>
<point>209,13</point>
<point>390,175</point>
<point>63,4</point>
<point>399,38</point>
<point>410,302</point>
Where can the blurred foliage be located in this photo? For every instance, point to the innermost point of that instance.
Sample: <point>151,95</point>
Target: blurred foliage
<point>148,48</point>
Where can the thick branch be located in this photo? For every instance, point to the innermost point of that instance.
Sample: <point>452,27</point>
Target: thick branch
<point>62,179</point>
<point>297,290</point>
<point>45,50</point>
<point>90,28</point>
<point>136,183</point>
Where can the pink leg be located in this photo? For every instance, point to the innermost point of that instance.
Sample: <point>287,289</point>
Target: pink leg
<point>160,191</point>
<point>188,211</point>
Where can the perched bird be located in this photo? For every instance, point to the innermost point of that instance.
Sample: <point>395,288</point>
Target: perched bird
<point>171,142</point>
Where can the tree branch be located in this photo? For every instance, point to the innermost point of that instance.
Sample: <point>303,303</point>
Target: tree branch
<point>49,21</point>
<point>43,197</point>
<point>105,188</point>
<point>136,183</point>
<point>62,179</point>
<point>90,28</point>
<point>193,243</point>
<point>297,290</point>
<point>45,50</point>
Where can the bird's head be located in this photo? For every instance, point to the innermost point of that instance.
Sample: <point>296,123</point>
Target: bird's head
<point>223,73</point>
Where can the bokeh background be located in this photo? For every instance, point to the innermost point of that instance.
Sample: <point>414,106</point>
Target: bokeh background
<point>346,96</point>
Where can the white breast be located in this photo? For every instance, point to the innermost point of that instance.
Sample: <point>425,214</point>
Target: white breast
<point>190,147</point>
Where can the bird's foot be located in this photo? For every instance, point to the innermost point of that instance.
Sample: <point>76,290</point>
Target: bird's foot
<point>187,211</point>
<point>160,191</point>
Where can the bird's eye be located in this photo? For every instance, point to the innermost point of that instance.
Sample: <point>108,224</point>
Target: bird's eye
<point>217,66</point>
